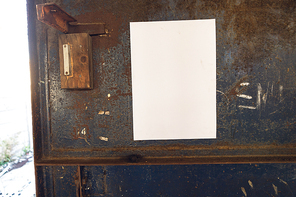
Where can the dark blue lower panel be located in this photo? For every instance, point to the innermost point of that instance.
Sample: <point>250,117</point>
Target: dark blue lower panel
<point>172,180</point>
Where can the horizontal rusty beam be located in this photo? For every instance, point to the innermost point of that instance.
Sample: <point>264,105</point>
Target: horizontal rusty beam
<point>168,161</point>
<point>54,16</point>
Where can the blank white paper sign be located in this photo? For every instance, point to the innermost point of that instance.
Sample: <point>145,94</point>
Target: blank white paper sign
<point>174,79</point>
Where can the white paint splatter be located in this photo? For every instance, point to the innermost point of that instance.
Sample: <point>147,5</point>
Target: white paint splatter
<point>103,138</point>
<point>251,184</point>
<point>244,84</point>
<point>244,96</point>
<point>259,96</point>
<point>275,189</point>
<point>244,191</point>
<point>247,107</point>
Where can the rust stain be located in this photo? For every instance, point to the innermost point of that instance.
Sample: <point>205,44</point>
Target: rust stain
<point>112,27</point>
<point>176,147</point>
<point>103,126</point>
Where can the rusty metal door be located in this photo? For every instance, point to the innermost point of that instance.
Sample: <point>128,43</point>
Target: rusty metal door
<point>83,139</point>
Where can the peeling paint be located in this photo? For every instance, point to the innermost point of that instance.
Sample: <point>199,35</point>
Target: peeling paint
<point>103,138</point>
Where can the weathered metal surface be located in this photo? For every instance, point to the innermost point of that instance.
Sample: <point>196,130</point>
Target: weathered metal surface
<point>173,180</point>
<point>255,83</point>
<point>256,105</point>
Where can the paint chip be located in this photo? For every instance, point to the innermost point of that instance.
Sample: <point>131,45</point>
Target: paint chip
<point>103,138</point>
<point>244,84</point>
<point>246,107</point>
<point>275,189</point>
<point>251,184</point>
<point>244,96</point>
<point>101,112</point>
<point>244,191</point>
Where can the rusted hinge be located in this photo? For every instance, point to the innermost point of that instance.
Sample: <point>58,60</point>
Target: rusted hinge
<point>54,16</point>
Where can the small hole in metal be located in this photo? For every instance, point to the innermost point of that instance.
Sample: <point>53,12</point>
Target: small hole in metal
<point>83,59</point>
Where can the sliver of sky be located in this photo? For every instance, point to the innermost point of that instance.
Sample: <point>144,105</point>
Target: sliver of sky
<point>14,58</point>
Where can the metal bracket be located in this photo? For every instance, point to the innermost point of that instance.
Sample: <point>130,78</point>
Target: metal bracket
<point>54,16</point>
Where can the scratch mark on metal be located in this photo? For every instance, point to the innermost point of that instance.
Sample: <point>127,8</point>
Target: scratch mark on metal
<point>264,98</point>
<point>244,96</point>
<point>244,191</point>
<point>281,88</point>
<point>247,107</point>
<point>275,189</point>
<point>251,184</point>
<point>282,181</point>
<point>259,96</point>
<point>273,112</point>
<point>223,94</point>
<point>84,140</point>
